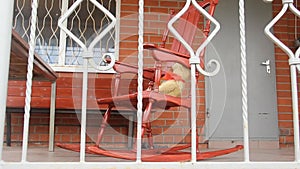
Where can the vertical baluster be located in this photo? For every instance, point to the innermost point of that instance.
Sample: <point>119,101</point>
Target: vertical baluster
<point>195,64</point>
<point>87,58</point>
<point>140,81</point>
<point>117,29</point>
<point>29,79</point>
<point>244,80</point>
<point>6,9</point>
<point>294,63</point>
<point>193,113</point>
<point>293,71</point>
<point>63,36</point>
<point>83,110</point>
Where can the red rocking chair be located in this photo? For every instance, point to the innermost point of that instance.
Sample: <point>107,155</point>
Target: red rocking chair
<point>154,98</point>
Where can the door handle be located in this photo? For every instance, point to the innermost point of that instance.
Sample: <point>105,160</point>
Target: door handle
<point>267,64</point>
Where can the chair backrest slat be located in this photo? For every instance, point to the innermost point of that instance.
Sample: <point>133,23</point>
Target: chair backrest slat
<point>188,25</point>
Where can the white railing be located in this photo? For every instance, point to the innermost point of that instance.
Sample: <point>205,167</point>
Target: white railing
<point>195,63</point>
<point>87,57</point>
<point>5,32</point>
<point>294,62</point>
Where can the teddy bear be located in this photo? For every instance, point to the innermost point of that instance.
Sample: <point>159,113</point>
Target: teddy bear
<point>173,82</point>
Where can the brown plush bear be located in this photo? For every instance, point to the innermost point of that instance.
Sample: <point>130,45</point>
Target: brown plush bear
<point>173,82</point>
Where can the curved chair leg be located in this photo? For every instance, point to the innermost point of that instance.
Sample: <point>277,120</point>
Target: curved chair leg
<point>146,126</point>
<point>103,125</point>
<point>149,135</point>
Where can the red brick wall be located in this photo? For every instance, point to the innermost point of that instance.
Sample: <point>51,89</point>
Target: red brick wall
<point>285,31</point>
<point>68,97</point>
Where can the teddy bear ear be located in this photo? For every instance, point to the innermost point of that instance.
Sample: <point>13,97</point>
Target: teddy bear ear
<point>172,76</point>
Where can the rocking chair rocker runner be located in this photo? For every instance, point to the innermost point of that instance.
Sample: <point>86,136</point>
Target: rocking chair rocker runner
<point>153,98</point>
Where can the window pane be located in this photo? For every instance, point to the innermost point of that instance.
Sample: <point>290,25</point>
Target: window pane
<point>86,22</point>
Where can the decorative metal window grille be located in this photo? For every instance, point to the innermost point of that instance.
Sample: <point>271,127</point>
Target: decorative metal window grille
<point>52,44</point>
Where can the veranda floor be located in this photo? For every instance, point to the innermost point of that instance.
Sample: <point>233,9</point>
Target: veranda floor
<point>41,154</point>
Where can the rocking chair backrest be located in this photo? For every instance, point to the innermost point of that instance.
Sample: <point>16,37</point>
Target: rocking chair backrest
<point>188,25</point>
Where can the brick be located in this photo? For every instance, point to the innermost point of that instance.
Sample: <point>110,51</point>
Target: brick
<point>130,2</point>
<point>41,129</point>
<point>158,122</point>
<point>17,129</point>
<point>168,139</point>
<point>289,139</point>
<point>132,45</point>
<point>66,137</point>
<point>283,86</point>
<point>284,94</point>
<point>66,129</point>
<point>285,116</point>
<point>16,137</point>
<point>282,64</point>
<point>166,115</point>
<point>283,79</point>
<point>282,72</point>
<point>107,138</point>
<point>284,108</point>
<point>169,4</point>
<point>284,101</point>
<point>156,131</point>
<point>75,138</point>
<point>33,137</point>
<point>57,138</point>
<point>285,124</point>
<point>150,17</point>
<point>153,3</point>
<point>43,137</point>
<point>172,130</point>
<point>159,139</point>
<point>159,10</point>
<point>119,139</point>
<point>129,8</point>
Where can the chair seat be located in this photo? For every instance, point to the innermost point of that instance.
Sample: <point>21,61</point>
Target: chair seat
<point>160,100</point>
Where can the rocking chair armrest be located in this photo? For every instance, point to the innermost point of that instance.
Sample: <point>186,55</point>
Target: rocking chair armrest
<point>150,46</point>
<point>148,73</point>
<point>166,55</point>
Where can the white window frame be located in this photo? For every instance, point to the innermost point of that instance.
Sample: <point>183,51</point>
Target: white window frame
<point>62,67</point>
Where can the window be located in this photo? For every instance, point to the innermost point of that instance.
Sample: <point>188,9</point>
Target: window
<point>52,44</point>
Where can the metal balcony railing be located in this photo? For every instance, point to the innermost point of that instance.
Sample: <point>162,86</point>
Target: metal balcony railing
<point>87,51</point>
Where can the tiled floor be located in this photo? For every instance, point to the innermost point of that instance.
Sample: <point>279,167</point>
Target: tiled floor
<point>41,154</point>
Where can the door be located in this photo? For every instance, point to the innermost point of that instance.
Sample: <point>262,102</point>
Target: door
<point>223,92</point>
